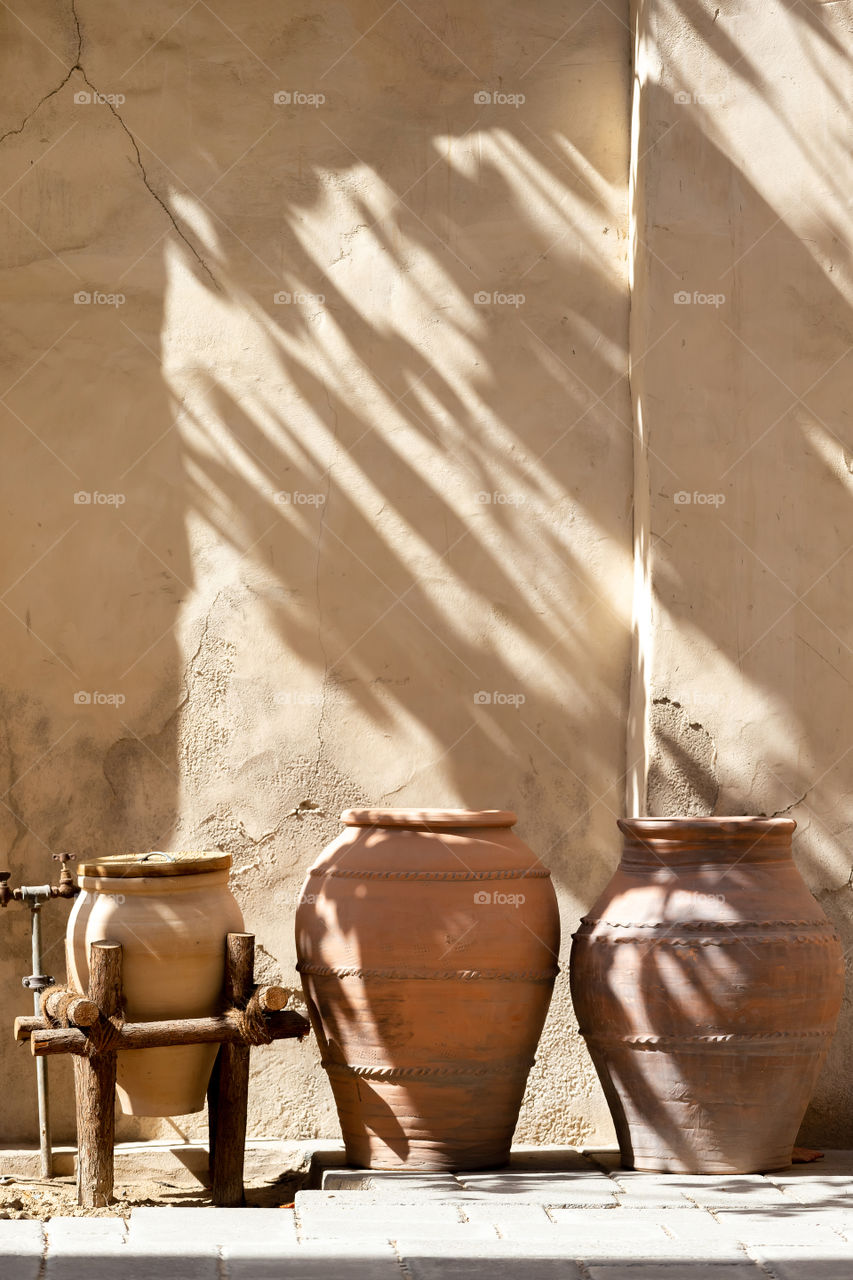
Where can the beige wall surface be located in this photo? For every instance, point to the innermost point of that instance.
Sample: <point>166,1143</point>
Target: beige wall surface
<point>742,355</point>
<point>349,401</point>
<point>345,398</point>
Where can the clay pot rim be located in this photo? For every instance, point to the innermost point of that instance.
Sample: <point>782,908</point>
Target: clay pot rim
<point>124,866</point>
<point>120,885</point>
<point>429,818</point>
<point>736,824</point>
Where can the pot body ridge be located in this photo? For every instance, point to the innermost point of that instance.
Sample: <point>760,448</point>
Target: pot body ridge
<point>427,951</point>
<point>707,982</point>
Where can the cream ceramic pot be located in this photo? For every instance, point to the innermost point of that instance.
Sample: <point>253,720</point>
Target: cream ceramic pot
<point>170,912</point>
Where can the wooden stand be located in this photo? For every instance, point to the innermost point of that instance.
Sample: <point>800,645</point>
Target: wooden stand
<point>94,1042</point>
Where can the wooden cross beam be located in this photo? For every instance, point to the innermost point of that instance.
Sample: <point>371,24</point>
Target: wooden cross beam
<point>95,1034</point>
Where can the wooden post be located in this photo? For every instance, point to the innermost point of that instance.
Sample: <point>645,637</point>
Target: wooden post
<point>212,1112</point>
<point>94,1041</point>
<point>95,1086</point>
<point>228,1095</point>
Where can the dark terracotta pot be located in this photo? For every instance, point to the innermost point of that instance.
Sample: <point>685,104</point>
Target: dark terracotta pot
<point>707,983</point>
<point>427,944</point>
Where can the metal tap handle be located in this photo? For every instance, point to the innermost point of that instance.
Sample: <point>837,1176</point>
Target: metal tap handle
<point>66,888</point>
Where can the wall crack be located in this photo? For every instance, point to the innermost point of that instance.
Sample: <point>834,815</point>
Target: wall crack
<point>781,813</point>
<point>104,100</point>
<point>147,183</point>
<point>53,92</point>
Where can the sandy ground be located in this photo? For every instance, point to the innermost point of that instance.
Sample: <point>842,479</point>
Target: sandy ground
<point>57,1197</point>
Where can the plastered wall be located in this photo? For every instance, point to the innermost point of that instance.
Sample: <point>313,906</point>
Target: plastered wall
<point>366,512</point>
<point>742,352</point>
<point>317,457</point>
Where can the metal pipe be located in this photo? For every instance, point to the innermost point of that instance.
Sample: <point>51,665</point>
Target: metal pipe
<point>45,1148</point>
<point>34,896</point>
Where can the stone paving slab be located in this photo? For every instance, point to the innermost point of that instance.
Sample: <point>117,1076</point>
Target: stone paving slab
<point>153,1266</point>
<point>698,1270</point>
<point>551,1159</point>
<point>26,1267</point>
<point>85,1235</point>
<point>800,1264</point>
<point>510,1221</point>
<point>245,1233</point>
<point>449,1266</point>
<point>681,1188</point>
<point>807,1229</point>
<point>206,1231</point>
<point>21,1235</point>
<point>544,1188</point>
<point>619,1234</point>
<point>472,1252</point>
<point>318,1261</point>
<point>177,1231</point>
<point>815,1188</point>
<point>337,1215</point>
<point>797,1225</point>
<point>21,1249</point>
<point>397,1188</point>
<point>570,1189</point>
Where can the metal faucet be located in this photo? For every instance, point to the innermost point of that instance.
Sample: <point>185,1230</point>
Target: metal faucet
<point>35,896</point>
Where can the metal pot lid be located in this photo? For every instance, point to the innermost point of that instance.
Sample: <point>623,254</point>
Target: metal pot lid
<point>154,864</point>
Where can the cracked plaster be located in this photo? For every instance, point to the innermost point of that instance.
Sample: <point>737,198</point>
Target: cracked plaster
<point>281,660</point>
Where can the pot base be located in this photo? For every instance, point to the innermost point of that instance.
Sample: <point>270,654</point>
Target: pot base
<point>426,1158</point>
<point>706,1169</point>
<point>171,1081</point>
<point>425,1125</point>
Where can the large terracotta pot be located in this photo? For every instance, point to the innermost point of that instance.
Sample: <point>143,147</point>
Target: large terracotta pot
<point>170,912</point>
<point>427,943</point>
<point>707,982</point>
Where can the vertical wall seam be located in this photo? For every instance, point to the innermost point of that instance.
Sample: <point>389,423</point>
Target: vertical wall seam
<point>637,739</point>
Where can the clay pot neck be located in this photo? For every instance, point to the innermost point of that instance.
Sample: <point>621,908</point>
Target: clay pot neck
<point>429,819</point>
<point>156,886</point>
<point>666,842</point>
